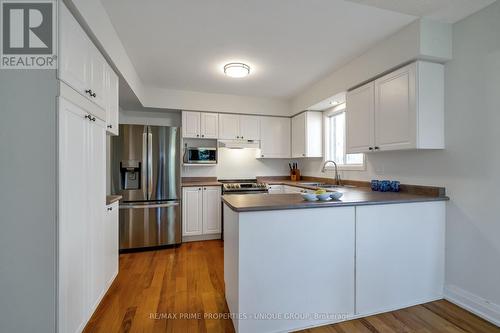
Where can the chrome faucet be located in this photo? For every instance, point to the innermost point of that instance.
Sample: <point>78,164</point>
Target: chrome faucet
<point>337,176</point>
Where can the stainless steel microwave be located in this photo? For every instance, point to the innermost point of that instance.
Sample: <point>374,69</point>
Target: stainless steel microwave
<point>199,155</point>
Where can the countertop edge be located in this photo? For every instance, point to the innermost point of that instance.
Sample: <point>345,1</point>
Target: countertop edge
<point>110,199</point>
<point>330,204</point>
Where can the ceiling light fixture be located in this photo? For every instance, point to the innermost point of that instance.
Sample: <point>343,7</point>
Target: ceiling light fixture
<point>236,69</point>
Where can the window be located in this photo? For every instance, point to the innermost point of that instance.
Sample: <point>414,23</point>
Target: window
<point>335,140</point>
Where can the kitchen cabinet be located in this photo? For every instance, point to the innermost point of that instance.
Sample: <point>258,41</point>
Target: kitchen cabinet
<point>209,127</point>
<point>229,125</point>
<point>81,225</point>
<point>275,137</point>
<point>235,127</point>
<point>201,210</point>
<point>81,65</point>
<point>360,119</point>
<point>112,110</point>
<point>200,125</point>
<point>399,111</point>
<point>399,255</point>
<point>307,134</point>
<point>111,244</point>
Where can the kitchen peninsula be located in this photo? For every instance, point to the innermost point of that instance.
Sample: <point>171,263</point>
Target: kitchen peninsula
<point>295,264</point>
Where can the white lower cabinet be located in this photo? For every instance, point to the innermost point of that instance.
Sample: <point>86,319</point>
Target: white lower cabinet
<point>84,235</point>
<point>201,210</point>
<point>278,188</point>
<point>294,189</point>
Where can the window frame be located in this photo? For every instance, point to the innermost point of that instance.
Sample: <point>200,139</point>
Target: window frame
<point>327,114</point>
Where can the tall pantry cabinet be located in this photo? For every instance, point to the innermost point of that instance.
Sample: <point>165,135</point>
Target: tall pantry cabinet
<point>87,229</point>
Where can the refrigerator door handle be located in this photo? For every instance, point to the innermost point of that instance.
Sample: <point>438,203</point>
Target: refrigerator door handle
<point>144,172</point>
<point>150,163</point>
<point>146,206</point>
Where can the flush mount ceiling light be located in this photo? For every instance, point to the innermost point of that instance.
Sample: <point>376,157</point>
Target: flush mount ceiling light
<point>236,69</point>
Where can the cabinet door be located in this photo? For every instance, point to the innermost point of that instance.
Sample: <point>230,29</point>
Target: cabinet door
<point>299,135</point>
<point>283,137</point>
<point>209,126</point>
<point>395,110</point>
<point>229,126</point>
<point>212,210</point>
<point>111,242</point>
<point>275,137</point>
<point>96,169</point>
<point>360,124</point>
<point>112,101</point>
<point>192,211</point>
<point>276,189</point>
<point>190,124</point>
<point>98,69</point>
<point>73,217</point>
<point>74,53</point>
<point>250,127</point>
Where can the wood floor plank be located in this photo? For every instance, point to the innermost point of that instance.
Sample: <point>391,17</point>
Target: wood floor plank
<point>181,289</point>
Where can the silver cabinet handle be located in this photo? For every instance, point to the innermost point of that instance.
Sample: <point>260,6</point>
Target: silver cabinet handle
<point>158,205</point>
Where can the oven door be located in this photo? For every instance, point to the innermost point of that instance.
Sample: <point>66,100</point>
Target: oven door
<point>201,155</point>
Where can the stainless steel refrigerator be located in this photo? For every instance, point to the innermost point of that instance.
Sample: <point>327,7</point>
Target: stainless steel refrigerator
<point>146,171</point>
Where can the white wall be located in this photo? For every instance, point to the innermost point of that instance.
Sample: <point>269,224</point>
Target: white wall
<point>468,167</point>
<point>238,164</point>
<point>422,39</point>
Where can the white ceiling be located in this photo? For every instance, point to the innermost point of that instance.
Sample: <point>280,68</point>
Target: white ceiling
<point>449,11</point>
<point>289,44</point>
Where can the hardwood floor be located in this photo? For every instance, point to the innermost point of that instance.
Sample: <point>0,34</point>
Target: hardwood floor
<point>155,291</point>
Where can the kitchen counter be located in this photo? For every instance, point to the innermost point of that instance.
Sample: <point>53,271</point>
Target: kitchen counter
<point>112,199</point>
<point>200,181</point>
<point>352,197</point>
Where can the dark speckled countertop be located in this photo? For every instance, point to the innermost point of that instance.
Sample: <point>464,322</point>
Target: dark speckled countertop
<point>352,197</point>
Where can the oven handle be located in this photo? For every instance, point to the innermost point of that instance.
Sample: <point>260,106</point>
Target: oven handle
<point>144,206</point>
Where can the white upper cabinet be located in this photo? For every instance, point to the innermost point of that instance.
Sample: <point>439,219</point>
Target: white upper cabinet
<point>275,137</point>
<point>250,127</point>
<point>307,140</point>
<point>83,67</point>
<point>238,127</point>
<point>360,119</point>
<point>229,126</point>
<point>200,125</point>
<point>191,124</point>
<point>209,127</point>
<point>111,101</point>
<point>399,111</point>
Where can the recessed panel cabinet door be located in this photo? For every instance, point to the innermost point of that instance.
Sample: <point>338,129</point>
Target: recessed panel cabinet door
<point>74,53</point>
<point>229,126</point>
<point>250,127</point>
<point>395,116</point>
<point>275,137</point>
<point>112,102</point>
<point>190,124</point>
<point>98,77</point>
<point>360,119</point>
<point>73,218</point>
<point>209,126</point>
<point>192,211</point>
<point>212,210</point>
<point>299,135</point>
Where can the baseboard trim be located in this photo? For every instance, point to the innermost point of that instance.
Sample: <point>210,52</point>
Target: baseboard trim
<point>479,306</point>
<point>186,239</point>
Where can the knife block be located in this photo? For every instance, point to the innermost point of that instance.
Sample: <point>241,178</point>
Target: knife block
<point>295,175</point>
